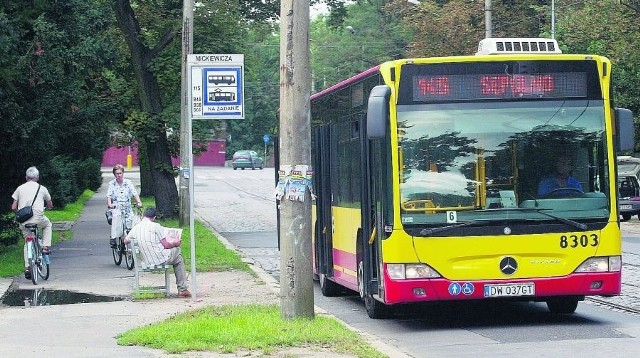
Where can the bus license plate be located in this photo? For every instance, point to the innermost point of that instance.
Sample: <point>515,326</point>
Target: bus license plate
<point>509,290</point>
<point>626,207</point>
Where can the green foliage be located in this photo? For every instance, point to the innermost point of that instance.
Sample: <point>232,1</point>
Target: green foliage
<point>10,233</point>
<point>53,97</point>
<point>610,29</point>
<point>11,260</point>
<point>71,211</point>
<point>341,52</point>
<point>261,91</point>
<point>67,178</point>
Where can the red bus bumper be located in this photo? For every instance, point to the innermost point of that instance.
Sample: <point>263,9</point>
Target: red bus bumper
<point>440,289</point>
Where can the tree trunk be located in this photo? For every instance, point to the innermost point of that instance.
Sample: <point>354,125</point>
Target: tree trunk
<point>155,140</point>
<point>146,184</point>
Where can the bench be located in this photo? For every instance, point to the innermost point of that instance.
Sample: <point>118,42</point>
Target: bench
<point>141,267</point>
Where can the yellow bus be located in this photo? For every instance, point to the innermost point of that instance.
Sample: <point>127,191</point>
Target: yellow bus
<point>436,179</point>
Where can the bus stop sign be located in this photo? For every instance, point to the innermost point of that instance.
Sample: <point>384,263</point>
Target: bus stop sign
<point>216,86</point>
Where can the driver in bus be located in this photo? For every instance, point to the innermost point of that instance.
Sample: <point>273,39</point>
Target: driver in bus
<point>561,180</point>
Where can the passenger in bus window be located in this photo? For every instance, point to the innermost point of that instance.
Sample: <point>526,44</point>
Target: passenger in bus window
<point>560,182</point>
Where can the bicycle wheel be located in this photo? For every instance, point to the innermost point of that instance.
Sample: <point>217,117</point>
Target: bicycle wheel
<point>33,262</point>
<point>128,257</point>
<point>117,251</point>
<point>43,264</point>
<point>43,268</point>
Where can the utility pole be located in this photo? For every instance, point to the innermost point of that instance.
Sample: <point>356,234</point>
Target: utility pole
<point>185,123</point>
<point>487,19</point>
<point>296,274</point>
<point>553,19</point>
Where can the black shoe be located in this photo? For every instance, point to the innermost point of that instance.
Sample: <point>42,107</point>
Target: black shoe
<point>112,243</point>
<point>27,274</point>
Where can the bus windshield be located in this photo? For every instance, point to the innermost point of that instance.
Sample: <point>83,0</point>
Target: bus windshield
<point>485,161</point>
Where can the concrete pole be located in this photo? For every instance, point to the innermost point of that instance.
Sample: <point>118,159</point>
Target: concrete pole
<point>487,19</point>
<point>185,123</point>
<point>553,19</point>
<point>296,274</point>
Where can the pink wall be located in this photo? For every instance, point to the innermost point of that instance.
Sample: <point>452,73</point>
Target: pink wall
<point>214,156</point>
<point>114,155</point>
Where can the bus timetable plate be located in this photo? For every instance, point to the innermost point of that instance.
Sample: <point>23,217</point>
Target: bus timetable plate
<point>510,290</point>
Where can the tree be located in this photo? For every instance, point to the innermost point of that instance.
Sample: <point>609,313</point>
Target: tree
<point>55,100</point>
<point>261,90</point>
<point>341,51</point>
<point>610,29</point>
<point>149,123</point>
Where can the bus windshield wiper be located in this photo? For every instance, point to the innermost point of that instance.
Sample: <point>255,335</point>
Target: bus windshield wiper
<point>434,230</point>
<point>575,224</point>
<point>569,222</point>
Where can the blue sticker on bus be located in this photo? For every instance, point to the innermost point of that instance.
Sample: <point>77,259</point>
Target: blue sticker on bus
<point>454,289</point>
<point>468,288</point>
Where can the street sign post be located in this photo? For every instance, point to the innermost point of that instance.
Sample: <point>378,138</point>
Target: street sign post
<point>266,140</point>
<point>216,86</point>
<point>215,91</point>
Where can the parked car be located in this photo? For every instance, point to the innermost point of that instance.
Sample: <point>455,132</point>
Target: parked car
<point>628,165</point>
<point>629,191</point>
<point>246,159</point>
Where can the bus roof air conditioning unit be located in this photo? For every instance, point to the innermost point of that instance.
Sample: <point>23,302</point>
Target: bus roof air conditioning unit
<point>499,46</point>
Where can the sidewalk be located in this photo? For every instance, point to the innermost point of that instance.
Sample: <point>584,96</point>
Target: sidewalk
<point>85,264</point>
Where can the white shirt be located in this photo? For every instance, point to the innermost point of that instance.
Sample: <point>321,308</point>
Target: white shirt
<point>24,195</point>
<point>148,234</point>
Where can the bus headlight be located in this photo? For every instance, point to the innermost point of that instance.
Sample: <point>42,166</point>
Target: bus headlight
<point>411,271</point>
<point>601,264</point>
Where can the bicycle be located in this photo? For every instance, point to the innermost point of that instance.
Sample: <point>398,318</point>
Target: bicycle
<point>121,248</point>
<point>38,261</point>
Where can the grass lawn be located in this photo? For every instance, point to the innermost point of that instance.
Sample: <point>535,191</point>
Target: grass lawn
<point>229,329</point>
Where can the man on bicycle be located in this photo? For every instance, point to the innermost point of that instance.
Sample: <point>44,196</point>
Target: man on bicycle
<point>119,196</point>
<point>26,194</point>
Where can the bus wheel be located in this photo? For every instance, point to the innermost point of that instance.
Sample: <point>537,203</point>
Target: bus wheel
<point>375,309</point>
<point>563,305</point>
<point>328,287</point>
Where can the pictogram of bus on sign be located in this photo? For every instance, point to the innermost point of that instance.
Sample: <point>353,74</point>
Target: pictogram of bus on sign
<point>220,96</point>
<point>218,79</point>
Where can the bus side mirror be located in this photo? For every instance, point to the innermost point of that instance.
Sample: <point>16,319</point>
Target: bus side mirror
<point>625,129</point>
<point>378,111</point>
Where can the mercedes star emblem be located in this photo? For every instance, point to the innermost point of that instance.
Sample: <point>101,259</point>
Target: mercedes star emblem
<point>508,265</point>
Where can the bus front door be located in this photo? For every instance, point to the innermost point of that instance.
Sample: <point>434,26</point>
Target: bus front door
<point>321,161</point>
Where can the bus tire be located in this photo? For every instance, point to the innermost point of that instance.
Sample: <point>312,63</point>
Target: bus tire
<point>375,309</point>
<point>562,305</point>
<point>328,287</point>
<point>361,278</point>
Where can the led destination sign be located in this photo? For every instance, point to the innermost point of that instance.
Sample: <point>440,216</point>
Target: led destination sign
<point>461,87</point>
<point>517,80</point>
